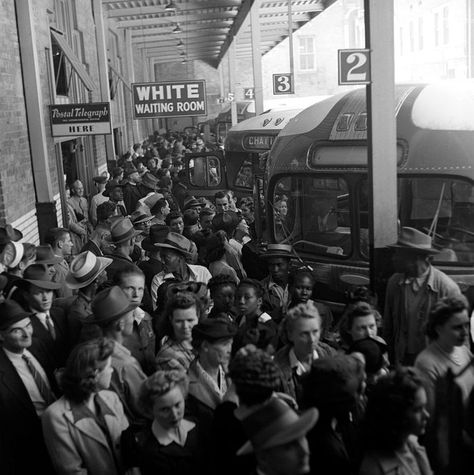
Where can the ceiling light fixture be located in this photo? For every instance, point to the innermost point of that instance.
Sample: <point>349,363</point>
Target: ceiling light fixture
<point>180,44</point>
<point>177,29</point>
<point>171,7</point>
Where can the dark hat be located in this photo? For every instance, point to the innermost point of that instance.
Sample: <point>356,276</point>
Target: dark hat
<point>190,217</point>
<point>117,171</point>
<point>11,313</point>
<point>110,304</point>
<point>191,202</point>
<point>176,242</point>
<point>122,230</point>
<point>45,255</point>
<point>278,250</point>
<point>275,424</point>
<point>227,221</point>
<point>140,216</point>
<point>213,329</point>
<point>85,268</point>
<point>332,381</point>
<point>373,349</point>
<point>101,179</point>
<point>411,239</point>
<point>197,288</point>
<point>110,186</point>
<point>157,234</point>
<point>38,274</point>
<point>253,368</point>
<point>8,233</point>
<point>3,282</point>
<point>149,181</point>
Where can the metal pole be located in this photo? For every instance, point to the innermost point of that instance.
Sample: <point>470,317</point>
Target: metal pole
<point>233,104</point>
<point>382,151</point>
<point>290,40</point>
<point>256,57</point>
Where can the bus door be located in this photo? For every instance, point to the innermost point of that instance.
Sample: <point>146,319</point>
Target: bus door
<point>205,173</point>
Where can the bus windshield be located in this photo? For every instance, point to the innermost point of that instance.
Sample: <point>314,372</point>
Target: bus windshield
<point>313,212</point>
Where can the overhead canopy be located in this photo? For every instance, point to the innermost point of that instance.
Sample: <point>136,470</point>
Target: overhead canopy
<point>206,27</point>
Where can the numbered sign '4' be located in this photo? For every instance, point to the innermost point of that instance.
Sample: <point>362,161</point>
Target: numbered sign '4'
<point>354,66</point>
<point>249,93</point>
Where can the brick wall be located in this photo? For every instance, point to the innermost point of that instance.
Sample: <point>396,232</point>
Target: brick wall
<point>17,196</point>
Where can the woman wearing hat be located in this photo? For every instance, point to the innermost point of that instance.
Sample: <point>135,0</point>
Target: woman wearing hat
<point>181,315</point>
<point>396,416</point>
<point>171,444</point>
<point>82,429</point>
<point>212,343</point>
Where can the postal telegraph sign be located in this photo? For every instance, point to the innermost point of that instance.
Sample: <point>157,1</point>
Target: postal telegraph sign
<point>169,99</point>
<point>80,119</point>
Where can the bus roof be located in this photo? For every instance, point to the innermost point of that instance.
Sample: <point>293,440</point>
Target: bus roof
<point>435,127</point>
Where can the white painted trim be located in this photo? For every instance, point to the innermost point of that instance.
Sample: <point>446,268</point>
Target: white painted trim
<point>28,225</point>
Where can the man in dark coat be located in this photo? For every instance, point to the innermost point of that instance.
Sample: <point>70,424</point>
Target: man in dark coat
<point>24,395</point>
<point>131,192</point>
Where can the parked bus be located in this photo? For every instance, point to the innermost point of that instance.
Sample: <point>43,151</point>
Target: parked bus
<point>316,181</point>
<point>236,167</point>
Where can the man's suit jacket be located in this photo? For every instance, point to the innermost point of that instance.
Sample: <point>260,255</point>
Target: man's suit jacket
<point>58,349</point>
<point>22,450</point>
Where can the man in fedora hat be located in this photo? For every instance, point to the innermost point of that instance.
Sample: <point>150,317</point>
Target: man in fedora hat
<point>113,313</point>
<point>174,251</point>
<point>276,294</point>
<point>148,184</point>
<point>277,438</point>
<point>122,236</point>
<point>48,321</point>
<point>100,183</point>
<point>86,274</point>
<point>26,389</point>
<point>153,265</point>
<point>411,293</point>
<point>60,241</point>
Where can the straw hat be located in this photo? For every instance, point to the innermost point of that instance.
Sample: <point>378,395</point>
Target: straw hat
<point>278,250</point>
<point>12,254</point>
<point>85,268</point>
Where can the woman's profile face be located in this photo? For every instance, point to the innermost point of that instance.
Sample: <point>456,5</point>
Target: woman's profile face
<point>454,331</point>
<point>168,409</point>
<point>182,322</point>
<point>105,375</point>
<point>218,352</point>
<point>417,415</point>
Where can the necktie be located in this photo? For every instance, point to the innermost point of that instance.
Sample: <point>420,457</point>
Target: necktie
<point>49,324</point>
<point>40,382</point>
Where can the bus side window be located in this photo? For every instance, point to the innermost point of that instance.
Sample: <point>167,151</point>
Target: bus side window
<point>245,176</point>
<point>204,172</point>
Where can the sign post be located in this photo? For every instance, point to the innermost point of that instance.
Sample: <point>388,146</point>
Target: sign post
<point>169,99</point>
<point>70,120</point>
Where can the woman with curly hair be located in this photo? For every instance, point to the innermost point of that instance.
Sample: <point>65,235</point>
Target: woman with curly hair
<point>82,429</point>
<point>170,445</point>
<point>181,315</point>
<point>396,415</point>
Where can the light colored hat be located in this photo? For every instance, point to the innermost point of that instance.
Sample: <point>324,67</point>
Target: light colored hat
<point>122,230</point>
<point>85,268</point>
<point>275,424</point>
<point>412,239</point>
<point>12,254</point>
<point>278,250</point>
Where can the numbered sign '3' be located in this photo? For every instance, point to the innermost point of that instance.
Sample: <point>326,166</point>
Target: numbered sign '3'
<point>283,84</point>
<point>354,66</point>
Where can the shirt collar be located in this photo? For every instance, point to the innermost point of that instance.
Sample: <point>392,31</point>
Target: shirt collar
<point>296,364</point>
<point>168,436</point>
<point>138,315</point>
<point>81,411</point>
<point>84,297</point>
<point>11,355</point>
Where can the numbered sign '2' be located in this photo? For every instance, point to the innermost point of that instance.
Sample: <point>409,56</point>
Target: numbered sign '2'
<point>354,66</point>
<point>283,84</point>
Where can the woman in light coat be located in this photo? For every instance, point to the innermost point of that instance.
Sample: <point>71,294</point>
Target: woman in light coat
<point>82,429</point>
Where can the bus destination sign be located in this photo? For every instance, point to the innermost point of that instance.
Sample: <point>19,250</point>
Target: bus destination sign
<point>258,142</point>
<point>169,99</point>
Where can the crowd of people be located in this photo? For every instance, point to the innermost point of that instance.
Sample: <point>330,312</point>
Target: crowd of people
<point>153,334</point>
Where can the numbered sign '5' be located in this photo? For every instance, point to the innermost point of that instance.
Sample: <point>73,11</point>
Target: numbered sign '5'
<point>354,66</point>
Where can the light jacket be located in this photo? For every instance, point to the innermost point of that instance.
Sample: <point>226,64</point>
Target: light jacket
<point>395,318</point>
<point>77,445</point>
